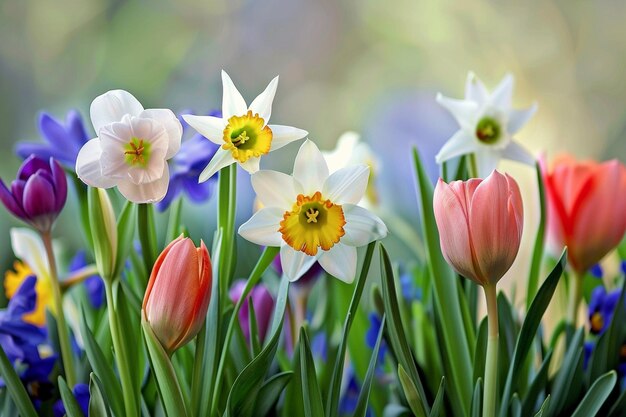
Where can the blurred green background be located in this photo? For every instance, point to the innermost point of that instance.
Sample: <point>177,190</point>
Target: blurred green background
<point>369,66</point>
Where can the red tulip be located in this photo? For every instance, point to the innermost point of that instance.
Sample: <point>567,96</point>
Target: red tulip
<point>586,208</point>
<point>178,293</point>
<point>480,225</point>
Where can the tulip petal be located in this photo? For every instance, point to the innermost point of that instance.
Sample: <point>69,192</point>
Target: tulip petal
<point>11,202</point>
<point>172,126</point>
<point>31,165</point>
<point>221,159</point>
<point>111,107</point>
<point>39,198</point>
<point>362,226</point>
<point>518,118</point>
<point>340,262</point>
<point>263,103</point>
<point>262,227</point>
<point>347,185</point>
<point>210,127</point>
<point>463,111</point>
<point>294,263</point>
<point>88,166</point>
<point>233,103</point>
<point>274,189</point>
<point>284,135</point>
<point>60,184</point>
<point>148,192</point>
<point>459,144</point>
<point>310,168</point>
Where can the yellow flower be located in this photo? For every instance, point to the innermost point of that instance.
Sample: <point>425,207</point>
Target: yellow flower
<point>12,281</point>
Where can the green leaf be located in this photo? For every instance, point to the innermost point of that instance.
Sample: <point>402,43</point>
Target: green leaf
<point>311,395</point>
<point>270,392</point>
<point>516,406</point>
<point>410,392</point>
<point>72,409</point>
<point>597,394</point>
<point>165,375</point>
<point>146,229</point>
<point>103,231</point>
<point>226,205</point>
<point>125,235</point>
<point>447,305</point>
<point>255,344</point>
<point>332,402</point>
<point>529,330</point>
<point>544,407</point>
<point>173,224</point>
<point>538,385</point>
<point>361,405</point>
<point>564,378</point>
<point>477,399</point>
<point>397,337</point>
<point>438,408</point>
<point>480,351</point>
<point>15,387</point>
<point>535,265</point>
<point>97,404</point>
<point>619,406</point>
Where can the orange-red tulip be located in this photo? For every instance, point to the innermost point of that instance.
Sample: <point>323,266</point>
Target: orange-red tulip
<point>480,225</point>
<point>586,208</point>
<point>178,293</point>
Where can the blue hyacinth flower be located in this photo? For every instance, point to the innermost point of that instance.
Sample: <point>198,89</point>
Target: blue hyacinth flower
<point>601,308</point>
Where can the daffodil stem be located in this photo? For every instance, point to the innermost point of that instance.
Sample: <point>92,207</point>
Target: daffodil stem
<point>147,235</point>
<point>226,207</point>
<point>575,296</point>
<point>121,354</point>
<point>472,167</point>
<point>491,359</point>
<point>64,337</point>
<point>173,225</point>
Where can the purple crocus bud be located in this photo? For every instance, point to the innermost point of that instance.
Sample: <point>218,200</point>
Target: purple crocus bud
<point>263,306</point>
<point>38,193</point>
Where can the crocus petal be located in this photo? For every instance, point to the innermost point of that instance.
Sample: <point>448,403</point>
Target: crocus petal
<point>362,227</point>
<point>262,228</point>
<point>10,202</point>
<point>475,90</point>
<point>518,118</point>
<point>514,151</point>
<point>294,263</point>
<point>60,185</point>
<point>503,93</point>
<point>149,192</point>
<point>210,127</point>
<point>53,130</point>
<point>310,168</point>
<point>233,103</point>
<point>31,165</point>
<point>284,135</point>
<point>340,262</point>
<point>112,106</point>
<point>88,166</point>
<point>347,185</point>
<point>251,165</point>
<point>274,189</point>
<point>28,247</point>
<point>487,160</point>
<point>263,103</point>
<point>221,159</point>
<point>44,151</point>
<point>463,111</point>
<point>459,144</point>
<point>172,126</point>
<point>39,198</point>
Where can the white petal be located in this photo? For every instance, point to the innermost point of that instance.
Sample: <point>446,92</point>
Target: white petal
<point>487,160</point>
<point>221,159</point>
<point>172,126</point>
<point>28,247</point>
<point>518,118</point>
<point>340,262</point>
<point>263,103</point>
<point>210,127</point>
<point>88,166</point>
<point>347,185</point>
<point>284,135</point>
<point>294,263</point>
<point>362,226</point>
<point>149,192</point>
<point>112,106</point>
<point>475,90</point>
<point>516,152</point>
<point>503,93</point>
<point>463,111</point>
<point>233,103</point>
<point>459,144</point>
<point>262,228</point>
<point>310,168</point>
<point>251,165</point>
<point>274,189</point>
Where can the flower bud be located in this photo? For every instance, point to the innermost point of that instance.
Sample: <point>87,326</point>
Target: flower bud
<point>480,225</point>
<point>178,293</point>
<point>104,231</point>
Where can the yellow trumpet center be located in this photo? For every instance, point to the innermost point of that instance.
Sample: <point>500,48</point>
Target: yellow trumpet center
<point>313,223</point>
<point>247,137</point>
<point>137,152</point>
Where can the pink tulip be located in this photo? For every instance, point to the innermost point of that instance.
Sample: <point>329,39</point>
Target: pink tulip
<point>178,293</point>
<point>480,225</point>
<point>586,208</point>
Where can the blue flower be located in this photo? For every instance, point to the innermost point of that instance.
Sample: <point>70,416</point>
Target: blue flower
<point>601,308</point>
<point>410,291</point>
<point>372,335</point>
<point>63,140</point>
<point>186,166</point>
<point>350,397</point>
<point>587,351</point>
<point>81,393</point>
<point>319,346</point>
<point>623,267</point>
<point>93,284</point>
<point>596,271</point>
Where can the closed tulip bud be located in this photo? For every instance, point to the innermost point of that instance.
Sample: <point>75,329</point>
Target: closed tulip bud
<point>586,208</point>
<point>178,293</point>
<point>38,193</point>
<point>480,225</point>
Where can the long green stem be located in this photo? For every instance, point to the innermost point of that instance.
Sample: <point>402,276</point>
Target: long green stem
<point>491,360</point>
<point>64,337</point>
<point>121,355</point>
<point>147,234</point>
<point>575,294</point>
<point>226,210</point>
<point>198,367</point>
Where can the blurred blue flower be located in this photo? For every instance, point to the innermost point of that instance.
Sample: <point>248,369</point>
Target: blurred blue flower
<point>63,140</point>
<point>624,267</point>
<point>410,291</point>
<point>601,308</point>
<point>350,396</point>
<point>186,166</point>
<point>81,393</point>
<point>93,284</point>
<point>596,271</point>
<point>319,346</point>
<point>372,335</point>
<point>587,351</point>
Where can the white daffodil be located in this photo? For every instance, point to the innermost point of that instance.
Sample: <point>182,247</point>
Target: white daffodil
<point>350,150</point>
<point>487,124</point>
<point>27,246</point>
<point>132,147</point>
<point>313,216</point>
<point>242,131</point>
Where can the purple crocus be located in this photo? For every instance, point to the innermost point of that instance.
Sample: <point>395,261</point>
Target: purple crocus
<point>263,303</point>
<point>62,140</point>
<point>186,166</point>
<point>38,193</point>
<point>601,309</point>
